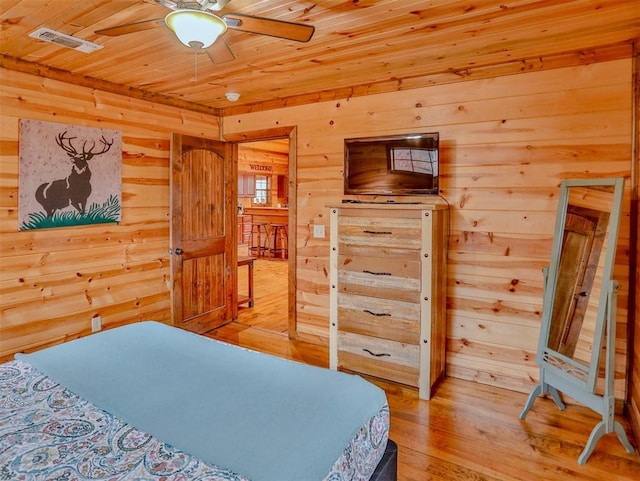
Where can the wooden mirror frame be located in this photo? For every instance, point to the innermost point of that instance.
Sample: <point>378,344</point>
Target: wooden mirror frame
<point>562,373</point>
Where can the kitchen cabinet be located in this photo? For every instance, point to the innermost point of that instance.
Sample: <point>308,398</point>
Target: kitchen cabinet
<point>244,229</point>
<point>246,185</point>
<point>283,186</point>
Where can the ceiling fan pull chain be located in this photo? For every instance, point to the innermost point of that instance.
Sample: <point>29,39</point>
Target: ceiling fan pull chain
<point>195,65</point>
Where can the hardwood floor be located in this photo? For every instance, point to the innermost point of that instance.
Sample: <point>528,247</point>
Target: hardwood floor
<point>270,292</point>
<point>467,431</point>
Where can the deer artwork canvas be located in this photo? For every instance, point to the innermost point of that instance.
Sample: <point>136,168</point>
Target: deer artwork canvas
<point>68,175</point>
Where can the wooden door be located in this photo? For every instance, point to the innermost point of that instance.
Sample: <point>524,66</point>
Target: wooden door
<point>584,233</point>
<point>203,233</point>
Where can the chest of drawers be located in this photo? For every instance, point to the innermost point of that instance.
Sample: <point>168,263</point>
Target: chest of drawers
<point>388,292</point>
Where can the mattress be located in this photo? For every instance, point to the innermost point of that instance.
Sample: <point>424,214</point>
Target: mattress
<point>149,401</point>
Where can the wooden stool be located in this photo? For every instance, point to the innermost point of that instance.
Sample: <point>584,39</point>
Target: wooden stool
<point>259,239</point>
<point>279,244</point>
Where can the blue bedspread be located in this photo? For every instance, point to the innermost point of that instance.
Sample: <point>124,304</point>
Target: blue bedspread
<point>266,418</point>
<point>47,433</point>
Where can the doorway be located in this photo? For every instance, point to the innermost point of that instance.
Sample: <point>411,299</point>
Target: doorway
<point>266,194</point>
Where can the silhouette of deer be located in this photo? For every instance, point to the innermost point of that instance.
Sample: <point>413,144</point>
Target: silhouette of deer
<point>75,189</point>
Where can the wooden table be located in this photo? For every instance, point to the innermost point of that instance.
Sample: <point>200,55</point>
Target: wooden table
<point>247,261</point>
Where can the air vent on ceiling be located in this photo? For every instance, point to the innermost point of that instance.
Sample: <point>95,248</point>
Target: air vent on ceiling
<point>65,40</point>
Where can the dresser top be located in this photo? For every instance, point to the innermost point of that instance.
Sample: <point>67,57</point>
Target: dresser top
<point>396,205</point>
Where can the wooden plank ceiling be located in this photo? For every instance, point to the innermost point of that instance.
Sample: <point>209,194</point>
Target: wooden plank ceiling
<point>359,46</point>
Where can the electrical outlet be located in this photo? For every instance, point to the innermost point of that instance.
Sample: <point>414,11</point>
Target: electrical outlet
<point>318,231</point>
<point>96,324</point>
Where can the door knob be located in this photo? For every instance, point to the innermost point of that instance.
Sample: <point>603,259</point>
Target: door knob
<point>179,251</point>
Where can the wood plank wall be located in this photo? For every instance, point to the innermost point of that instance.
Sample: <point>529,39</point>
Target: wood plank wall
<point>633,395</point>
<point>52,282</point>
<point>507,142</point>
<point>264,158</point>
<point>634,371</point>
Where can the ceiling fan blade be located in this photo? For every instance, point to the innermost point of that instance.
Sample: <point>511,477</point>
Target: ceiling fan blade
<point>299,32</point>
<point>131,27</point>
<point>220,52</point>
<point>171,4</point>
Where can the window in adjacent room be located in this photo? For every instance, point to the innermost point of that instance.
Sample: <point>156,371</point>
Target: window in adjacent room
<point>263,193</point>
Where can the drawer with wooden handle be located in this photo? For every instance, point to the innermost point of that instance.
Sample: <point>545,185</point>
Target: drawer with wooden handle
<point>383,318</point>
<point>379,277</point>
<point>401,233</point>
<point>382,325</point>
<point>383,358</point>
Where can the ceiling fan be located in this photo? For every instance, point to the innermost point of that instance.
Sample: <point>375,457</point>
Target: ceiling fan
<point>197,27</point>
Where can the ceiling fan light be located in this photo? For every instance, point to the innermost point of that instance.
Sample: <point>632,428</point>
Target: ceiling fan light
<point>195,28</point>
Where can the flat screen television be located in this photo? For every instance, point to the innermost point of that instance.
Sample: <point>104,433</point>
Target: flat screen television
<point>392,165</point>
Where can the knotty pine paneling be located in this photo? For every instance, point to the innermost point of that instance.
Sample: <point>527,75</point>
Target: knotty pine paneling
<point>507,143</point>
<point>53,281</point>
<point>634,359</point>
<point>273,154</point>
<point>634,373</point>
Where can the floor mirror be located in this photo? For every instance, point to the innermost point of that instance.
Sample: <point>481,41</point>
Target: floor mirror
<point>579,305</point>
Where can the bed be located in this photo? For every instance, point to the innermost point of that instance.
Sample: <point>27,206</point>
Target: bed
<point>148,401</point>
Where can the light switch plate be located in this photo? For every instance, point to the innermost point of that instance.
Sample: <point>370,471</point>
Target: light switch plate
<point>318,231</point>
<point>96,324</point>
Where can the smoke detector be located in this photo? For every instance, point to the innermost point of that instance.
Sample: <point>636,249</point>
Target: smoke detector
<point>64,40</point>
<point>232,96</point>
